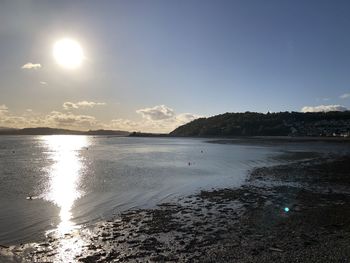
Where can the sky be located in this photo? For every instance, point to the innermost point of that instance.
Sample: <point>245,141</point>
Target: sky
<point>154,65</point>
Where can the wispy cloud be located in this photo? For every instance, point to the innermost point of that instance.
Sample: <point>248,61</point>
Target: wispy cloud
<point>323,99</point>
<point>345,96</point>
<point>81,104</point>
<point>324,108</point>
<point>30,65</point>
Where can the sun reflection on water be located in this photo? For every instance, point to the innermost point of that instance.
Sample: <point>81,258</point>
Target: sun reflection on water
<point>64,177</point>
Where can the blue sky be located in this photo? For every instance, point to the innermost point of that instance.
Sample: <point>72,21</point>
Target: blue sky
<point>153,65</point>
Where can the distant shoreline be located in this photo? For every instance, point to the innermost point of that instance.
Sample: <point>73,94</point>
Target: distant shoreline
<point>210,139</point>
<point>54,131</point>
<point>276,139</point>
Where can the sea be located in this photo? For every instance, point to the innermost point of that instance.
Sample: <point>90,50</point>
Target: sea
<point>61,182</point>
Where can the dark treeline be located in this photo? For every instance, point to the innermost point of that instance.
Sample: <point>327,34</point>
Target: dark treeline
<point>270,124</point>
<point>147,134</point>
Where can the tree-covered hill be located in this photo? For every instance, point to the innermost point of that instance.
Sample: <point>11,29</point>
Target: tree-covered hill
<point>270,124</point>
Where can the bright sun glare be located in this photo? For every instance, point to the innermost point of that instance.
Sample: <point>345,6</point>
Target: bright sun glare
<point>68,53</point>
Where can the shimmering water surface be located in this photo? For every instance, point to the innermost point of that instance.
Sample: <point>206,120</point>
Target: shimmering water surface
<point>57,183</point>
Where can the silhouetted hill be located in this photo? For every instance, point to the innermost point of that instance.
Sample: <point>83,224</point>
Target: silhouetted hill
<point>7,129</point>
<point>54,131</point>
<point>270,124</point>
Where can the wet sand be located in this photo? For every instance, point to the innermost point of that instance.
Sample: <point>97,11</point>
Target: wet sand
<point>248,224</point>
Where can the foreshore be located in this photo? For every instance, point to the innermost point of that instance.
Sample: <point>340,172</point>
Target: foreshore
<point>294,212</point>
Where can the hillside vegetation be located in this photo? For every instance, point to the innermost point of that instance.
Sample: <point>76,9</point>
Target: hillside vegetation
<point>270,124</point>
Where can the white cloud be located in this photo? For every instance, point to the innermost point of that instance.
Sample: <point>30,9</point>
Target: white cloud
<point>345,96</point>
<point>30,65</point>
<point>159,112</point>
<point>69,105</point>
<point>158,119</point>
<point>43,82</point>
<point>81,104</point>
<point>323,108</point>
<point>90,104</point>
<point>186,117</point>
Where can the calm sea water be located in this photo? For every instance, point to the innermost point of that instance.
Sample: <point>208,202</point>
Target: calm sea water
<point>74,180</point>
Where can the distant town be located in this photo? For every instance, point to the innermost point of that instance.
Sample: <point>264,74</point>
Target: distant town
<point>317,124</point>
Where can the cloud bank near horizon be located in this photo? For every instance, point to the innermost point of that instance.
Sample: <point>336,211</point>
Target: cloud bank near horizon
<point>159,119</point>
<point>324,108</point>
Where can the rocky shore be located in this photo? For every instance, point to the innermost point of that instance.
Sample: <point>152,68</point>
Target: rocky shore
<point>294,212</point>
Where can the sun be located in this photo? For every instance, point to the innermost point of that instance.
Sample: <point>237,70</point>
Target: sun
<point>68,53</point>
